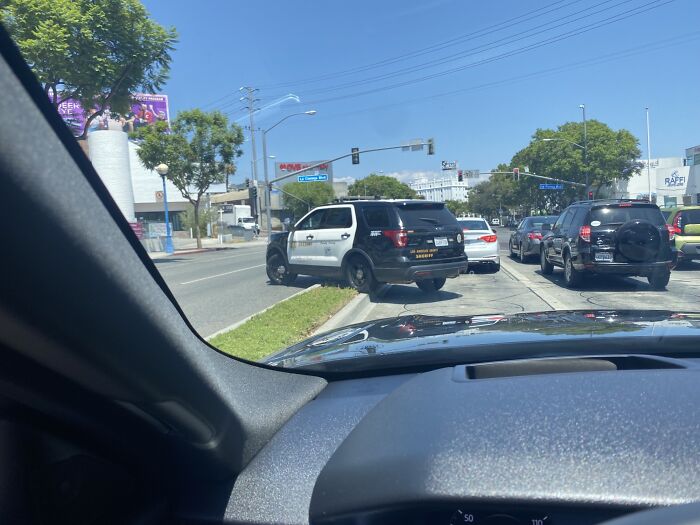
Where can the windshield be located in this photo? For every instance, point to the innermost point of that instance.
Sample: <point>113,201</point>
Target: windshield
<point>292,168</point>
<point>536,223</point>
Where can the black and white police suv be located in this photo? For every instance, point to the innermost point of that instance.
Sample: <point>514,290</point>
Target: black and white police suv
<point>371,242</point>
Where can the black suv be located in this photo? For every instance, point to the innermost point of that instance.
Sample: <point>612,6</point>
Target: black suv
<point>621,237</point>
<point>371,242</point>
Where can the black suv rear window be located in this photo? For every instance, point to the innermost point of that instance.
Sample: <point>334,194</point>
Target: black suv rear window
<point>421,215</point>
<point>616,214</point>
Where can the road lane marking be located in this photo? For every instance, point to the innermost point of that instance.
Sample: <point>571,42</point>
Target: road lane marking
<point>190,262</point>
<point>553,302</point>
<point>222,274</point>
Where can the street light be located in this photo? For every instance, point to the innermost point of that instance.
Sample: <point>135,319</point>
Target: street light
<point>268,202</point>
<point>162,170</point>
<point>585,144</point>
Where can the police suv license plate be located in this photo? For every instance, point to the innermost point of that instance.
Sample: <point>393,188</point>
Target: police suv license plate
<point>604,256</point>
<point>440,241</point>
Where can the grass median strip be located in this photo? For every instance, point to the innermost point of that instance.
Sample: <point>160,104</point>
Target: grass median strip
<point>284,324</point>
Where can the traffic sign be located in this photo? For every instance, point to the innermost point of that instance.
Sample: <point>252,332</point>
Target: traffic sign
<point>319,177</point>
<point>449,165</point>
<point>551,186</point>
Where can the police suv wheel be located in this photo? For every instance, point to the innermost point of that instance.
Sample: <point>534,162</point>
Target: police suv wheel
<point>359,274</point>
<point>278,270</point>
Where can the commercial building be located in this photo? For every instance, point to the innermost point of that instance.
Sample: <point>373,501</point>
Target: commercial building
<point>442,189</point>
<point>674,181</point>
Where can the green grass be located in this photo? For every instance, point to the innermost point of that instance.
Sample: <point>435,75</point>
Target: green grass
<point>284,324</point>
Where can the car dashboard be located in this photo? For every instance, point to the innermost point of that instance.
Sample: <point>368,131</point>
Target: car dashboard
<point>536,442</point>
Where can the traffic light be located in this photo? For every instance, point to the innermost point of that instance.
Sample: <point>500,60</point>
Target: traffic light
<point>431,147</point>
<point>355,155</point>
<point>460,177</point>
<point>516,173</point>
<point>247,183</point>
<point>590,195</point>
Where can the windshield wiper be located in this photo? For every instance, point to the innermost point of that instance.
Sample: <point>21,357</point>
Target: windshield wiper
<point>429,219</point>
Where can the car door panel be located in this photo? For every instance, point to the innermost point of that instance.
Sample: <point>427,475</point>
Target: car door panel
<point>304,246</point>
<point>557,238</point>
<point>336,236</point>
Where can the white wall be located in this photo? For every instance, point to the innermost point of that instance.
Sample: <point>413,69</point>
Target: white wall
<point>147,182</point>
<point>110,157</point>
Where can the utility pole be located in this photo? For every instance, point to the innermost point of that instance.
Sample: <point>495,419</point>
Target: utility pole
<point>648,155</point>
<point>250,100</point>
<point>585,145</point>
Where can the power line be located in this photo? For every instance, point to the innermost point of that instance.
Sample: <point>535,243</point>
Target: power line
<point>557,38</point>
<point>654,46</point>
<point>501,42</point>
<point>429,49</point>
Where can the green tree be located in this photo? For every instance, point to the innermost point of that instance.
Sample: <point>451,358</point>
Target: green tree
<point>300,197</point>
<point>206,216</point>
<point>611,155</point>
<point>199,151</point>
<point>96,51</point>
<point>458,208</point>
<point>497,195</point>
<point>383,186</point>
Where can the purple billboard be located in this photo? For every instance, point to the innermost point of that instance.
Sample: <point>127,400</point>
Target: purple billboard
<point>145,109</point>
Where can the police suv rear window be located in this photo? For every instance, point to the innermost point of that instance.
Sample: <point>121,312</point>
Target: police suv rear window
<point>377,217</point>
<point>416,216</point>
<point>620,214</point>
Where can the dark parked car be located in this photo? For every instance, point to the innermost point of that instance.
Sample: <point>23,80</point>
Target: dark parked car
<point>621,237</point>
<point>525,239</point>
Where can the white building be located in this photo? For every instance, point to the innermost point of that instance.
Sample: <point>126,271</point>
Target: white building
<point>442,189</point>
<point>674,181</point>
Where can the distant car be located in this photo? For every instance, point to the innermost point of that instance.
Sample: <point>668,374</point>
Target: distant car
<point>525,240</point>
<point>614,237</point>
<point>495,222</point>
<point>685,223</point>
<point>480,243</point>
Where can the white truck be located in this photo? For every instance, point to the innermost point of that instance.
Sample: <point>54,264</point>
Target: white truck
<point>239,215</point>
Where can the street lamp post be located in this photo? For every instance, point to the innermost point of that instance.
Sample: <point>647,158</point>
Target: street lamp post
<point>268,197</point>
<point>585,144</point>
<point>162,170</point>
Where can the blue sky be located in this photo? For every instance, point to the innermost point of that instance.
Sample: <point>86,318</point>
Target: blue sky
<point>345,59</point>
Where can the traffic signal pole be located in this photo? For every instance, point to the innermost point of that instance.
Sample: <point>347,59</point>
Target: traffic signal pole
<point>319,164</point>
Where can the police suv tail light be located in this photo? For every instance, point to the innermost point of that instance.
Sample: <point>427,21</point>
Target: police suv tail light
<point>585,233</point>
<point>398,237</point>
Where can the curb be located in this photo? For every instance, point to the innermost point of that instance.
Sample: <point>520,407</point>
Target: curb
<point>239,323</point>
<point>355,311</point>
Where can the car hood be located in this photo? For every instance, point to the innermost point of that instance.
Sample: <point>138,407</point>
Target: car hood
<point>418,340</point>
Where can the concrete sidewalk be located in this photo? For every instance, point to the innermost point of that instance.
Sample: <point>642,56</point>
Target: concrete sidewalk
<point>209,245</point>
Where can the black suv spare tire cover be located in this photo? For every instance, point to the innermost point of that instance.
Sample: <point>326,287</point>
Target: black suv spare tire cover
<point>639,241</point>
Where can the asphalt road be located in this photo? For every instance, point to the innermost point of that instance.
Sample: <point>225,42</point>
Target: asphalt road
<point>219,288</point>
<point>522,288</point>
